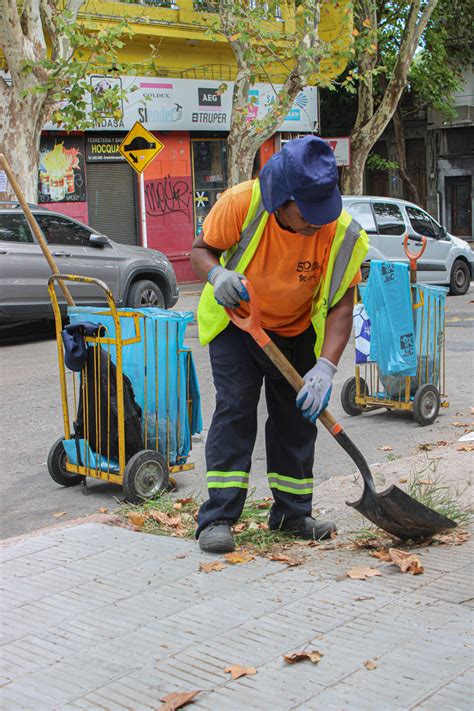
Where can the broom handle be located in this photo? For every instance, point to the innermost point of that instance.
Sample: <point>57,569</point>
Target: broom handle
<point>35,227</point>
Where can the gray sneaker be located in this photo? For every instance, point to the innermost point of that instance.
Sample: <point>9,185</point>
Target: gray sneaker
<point>217,538</point>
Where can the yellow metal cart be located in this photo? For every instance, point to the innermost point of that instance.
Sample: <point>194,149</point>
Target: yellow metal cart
<point>71,460</point>
<point>422,394</point>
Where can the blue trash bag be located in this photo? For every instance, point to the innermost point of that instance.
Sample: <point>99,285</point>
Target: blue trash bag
<point>89,459</point>
<point>159,385</point>
<point>429,315</point>
<point>387,299</point>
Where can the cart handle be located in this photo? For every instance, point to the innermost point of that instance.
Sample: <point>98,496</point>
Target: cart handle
<point>413,257</point>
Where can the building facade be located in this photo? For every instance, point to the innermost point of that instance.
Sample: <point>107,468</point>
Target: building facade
<point>185,100</point>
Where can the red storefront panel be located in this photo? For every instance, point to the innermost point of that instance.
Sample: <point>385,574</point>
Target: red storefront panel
<point>169,203</point>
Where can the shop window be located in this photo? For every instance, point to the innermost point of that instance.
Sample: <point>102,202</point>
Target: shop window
<point>209,176</point>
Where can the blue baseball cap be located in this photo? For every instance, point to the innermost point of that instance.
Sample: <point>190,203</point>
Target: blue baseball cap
<point>75,346</point>
<point>304,171</point>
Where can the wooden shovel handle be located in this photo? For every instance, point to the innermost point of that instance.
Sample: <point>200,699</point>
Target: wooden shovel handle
<point>35,227</point>
<point>251,324</point>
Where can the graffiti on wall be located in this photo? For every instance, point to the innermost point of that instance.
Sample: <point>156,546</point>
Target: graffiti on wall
<point>167,196</point>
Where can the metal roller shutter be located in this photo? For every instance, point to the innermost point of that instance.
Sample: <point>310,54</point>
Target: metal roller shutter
<point>111,197</point>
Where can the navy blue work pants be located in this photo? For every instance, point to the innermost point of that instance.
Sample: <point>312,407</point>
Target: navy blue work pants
<point>239,367</point>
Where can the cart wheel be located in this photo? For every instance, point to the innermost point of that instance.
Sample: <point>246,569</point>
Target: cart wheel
<point>426,404</point>
<point>57,466</point>
<point>145,476</point>
<point>348,396</point>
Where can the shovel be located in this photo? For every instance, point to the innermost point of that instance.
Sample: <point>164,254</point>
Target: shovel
<point>392,510</point>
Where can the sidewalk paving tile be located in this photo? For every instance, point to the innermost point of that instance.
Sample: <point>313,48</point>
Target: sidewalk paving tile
<point>125,618</point>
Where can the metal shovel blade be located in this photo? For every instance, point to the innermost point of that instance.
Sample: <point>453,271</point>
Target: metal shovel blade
<point>393,510</point>
<point>400,515</point>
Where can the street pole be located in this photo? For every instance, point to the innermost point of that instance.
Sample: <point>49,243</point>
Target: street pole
<point>143,211</point>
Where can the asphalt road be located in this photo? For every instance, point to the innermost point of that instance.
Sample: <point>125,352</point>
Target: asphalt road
<point>31,420</point>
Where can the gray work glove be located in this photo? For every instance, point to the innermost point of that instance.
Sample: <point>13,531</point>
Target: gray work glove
<point>314,396</point>
<point>228,288</point>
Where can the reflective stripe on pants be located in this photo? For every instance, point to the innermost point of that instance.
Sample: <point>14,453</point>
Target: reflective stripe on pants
<point>225,480</point>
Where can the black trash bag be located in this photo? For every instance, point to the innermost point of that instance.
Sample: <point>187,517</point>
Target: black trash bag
<point>98,394</point>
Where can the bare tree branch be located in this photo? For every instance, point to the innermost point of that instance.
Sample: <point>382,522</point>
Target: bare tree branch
<point>32,26</point>
<point>411,38</point>
<point>12,40</point>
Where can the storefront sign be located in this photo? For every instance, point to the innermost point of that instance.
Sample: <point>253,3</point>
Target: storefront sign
<point>194,104</point>
<point>140,147</point>
<point>342,150</point>
<point>61,169</point>
<point>102,148</point>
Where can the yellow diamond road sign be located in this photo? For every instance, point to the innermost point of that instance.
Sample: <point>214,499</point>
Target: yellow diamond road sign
<point>139,147</point>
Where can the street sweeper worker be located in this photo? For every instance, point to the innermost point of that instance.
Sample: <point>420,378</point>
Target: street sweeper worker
<point>288,235</point>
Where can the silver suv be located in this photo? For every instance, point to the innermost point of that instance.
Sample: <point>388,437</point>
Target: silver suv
<point>137,276</point>
<point>447,259</point>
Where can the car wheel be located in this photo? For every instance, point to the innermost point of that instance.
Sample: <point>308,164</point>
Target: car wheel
<point>460,278</point>
<point>145,294</point>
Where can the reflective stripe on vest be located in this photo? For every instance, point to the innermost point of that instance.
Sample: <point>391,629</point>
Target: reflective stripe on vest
<point>290,484</point>
<point>344,256</point>
<point>348,249</point>
<point>226,480</point>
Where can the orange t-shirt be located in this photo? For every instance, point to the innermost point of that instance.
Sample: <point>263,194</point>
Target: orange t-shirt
<point>286,268</point>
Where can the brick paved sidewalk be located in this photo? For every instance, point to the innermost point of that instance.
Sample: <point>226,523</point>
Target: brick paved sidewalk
<point>96,617</point>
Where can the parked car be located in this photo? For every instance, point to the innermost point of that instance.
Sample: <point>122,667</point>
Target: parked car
<point>447,260</point>
<point>137,277</point>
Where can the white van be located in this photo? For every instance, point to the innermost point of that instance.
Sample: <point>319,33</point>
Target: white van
<point>447,260</point>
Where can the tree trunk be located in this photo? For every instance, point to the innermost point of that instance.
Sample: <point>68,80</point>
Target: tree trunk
<point>21,125</point>
<point>400,145</point>
<point>352,182</point>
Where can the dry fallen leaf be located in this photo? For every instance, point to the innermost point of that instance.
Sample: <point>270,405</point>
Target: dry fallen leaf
<point>211,567</point>
<point>184,501</point>
<point>426,482</point>
<point>263,526</point>
<point>136,518</point>
<point>472,410</point>
<point>103,510</point>
<point>166,519</point>
<point>177,700</point>
<point>237,671</point>
<point>284,559</point>
<point>403,480</point>
<point>386,448</point>
<point>264,505</point>
<point>407,562</point>
<point>465,448</point>
<point>382,555</point>
<point>239,527</point>
<point>58,514</point>
<point>362,573</point>
<point>313,656</point>
<point>460,424</point>
<point>178,505</point>
<point>370,664</point>
<point>452,538</point>
<point>239,557</point>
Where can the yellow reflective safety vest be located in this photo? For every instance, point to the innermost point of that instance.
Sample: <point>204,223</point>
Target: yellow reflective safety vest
<point>348,249</point>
